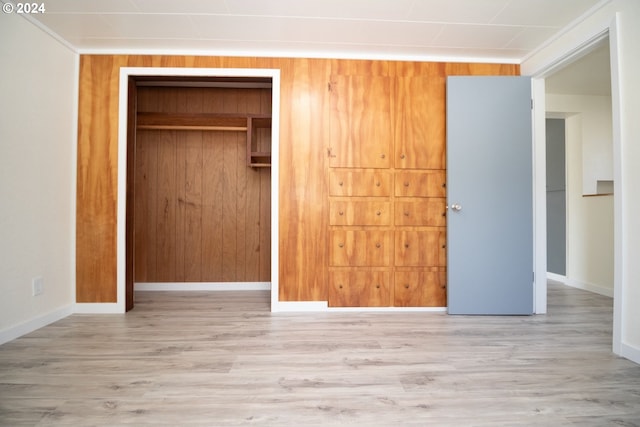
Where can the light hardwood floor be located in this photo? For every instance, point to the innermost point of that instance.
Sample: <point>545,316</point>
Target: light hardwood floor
<point>222,359</point>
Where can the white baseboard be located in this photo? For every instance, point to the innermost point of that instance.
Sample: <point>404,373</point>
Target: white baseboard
<point>203,286</point>
<point>629,352</point>
<point>98,308</point>
<point>298,306</point>
<point>556,277</point>
<point>597,289</point>
<point>389,309</point>
<point>323,306</point>
<point>29,326</point>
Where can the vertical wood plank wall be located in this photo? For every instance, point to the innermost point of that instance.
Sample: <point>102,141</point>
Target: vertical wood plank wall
<point>303,181</point>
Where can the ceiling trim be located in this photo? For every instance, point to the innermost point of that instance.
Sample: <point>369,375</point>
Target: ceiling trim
<point>566,29</point>
<point>311,55</point>
<point>578,52</point>
<point>49,32</point>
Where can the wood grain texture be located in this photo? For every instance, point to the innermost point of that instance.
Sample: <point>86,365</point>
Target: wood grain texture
<point>350,248</point>
<point>303,222</point>
<point>360,212</point>
<point>360,124</point>
<point>428,183</point>
<point>304,132</point>
<point>421,212</point>
<point>202,359</point>
<point>360,182</point>
<point>349,288</point>
<point>420,122</point>
<point>97,179</point>
<point>420,288</point>
<point>423,247</point>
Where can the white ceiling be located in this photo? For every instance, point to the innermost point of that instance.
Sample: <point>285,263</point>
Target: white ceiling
<point>490,30</point>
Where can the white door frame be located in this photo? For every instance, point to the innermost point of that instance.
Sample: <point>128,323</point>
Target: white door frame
<point>125,73</point>
<point>581,47</point>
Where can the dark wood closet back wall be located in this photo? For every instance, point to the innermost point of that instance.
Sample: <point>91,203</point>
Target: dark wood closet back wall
<point>303,178</point>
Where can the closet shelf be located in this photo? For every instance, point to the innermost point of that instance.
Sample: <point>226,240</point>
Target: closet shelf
<point>260,160</point>
<point>249,123</point>
<point>197,121</point>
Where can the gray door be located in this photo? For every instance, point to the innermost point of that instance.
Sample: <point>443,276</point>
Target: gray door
<point>489,195</point>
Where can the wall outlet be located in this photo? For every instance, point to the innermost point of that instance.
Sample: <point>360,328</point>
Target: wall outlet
<point>37,286</point>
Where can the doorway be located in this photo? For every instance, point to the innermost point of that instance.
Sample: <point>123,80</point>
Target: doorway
<point>579,108</point>
<point>556,197</point>
<point>253,155</point>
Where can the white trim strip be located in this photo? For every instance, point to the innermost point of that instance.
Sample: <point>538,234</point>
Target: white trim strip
<point>323,306</point>
<point>630,352</point>
<point>98,308</point>
<point>29,326</point>
<point>298,306</point>
<point>596,289</point>
<point>556,277</point>
<point>50,32</point>
<point>203,286</point>
<point>567,29</point>
<point>389,309</point>
<point>372,56</point>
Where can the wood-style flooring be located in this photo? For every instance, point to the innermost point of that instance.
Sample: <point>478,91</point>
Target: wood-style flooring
<point>222,359</point>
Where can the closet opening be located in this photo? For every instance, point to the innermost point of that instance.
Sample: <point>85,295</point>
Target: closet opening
<point>199,188</point>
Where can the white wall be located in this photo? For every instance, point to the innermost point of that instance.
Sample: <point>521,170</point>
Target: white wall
<point>589,219</point>
<point>629,35</point>
<point>597,144</point>
<point>38,97</point>
<point>622,18</point>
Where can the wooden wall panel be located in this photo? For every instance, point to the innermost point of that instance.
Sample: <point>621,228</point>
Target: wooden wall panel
<point>212,161</point>
<point>97,178</point>
<point>189,226</point>
<point>303,221</point>
<point>303,206</point>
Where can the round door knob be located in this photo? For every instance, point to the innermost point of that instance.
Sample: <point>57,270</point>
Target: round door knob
<point>340,183</point>
<point>402,156</point>
<point>456,207</point>
<point>382,156</point>
<point>378,184</point>
<point>406,184</point>
<point>341,245</point>
<point>341,213</point>
<point>378,213</point>
<point>377,245</point>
